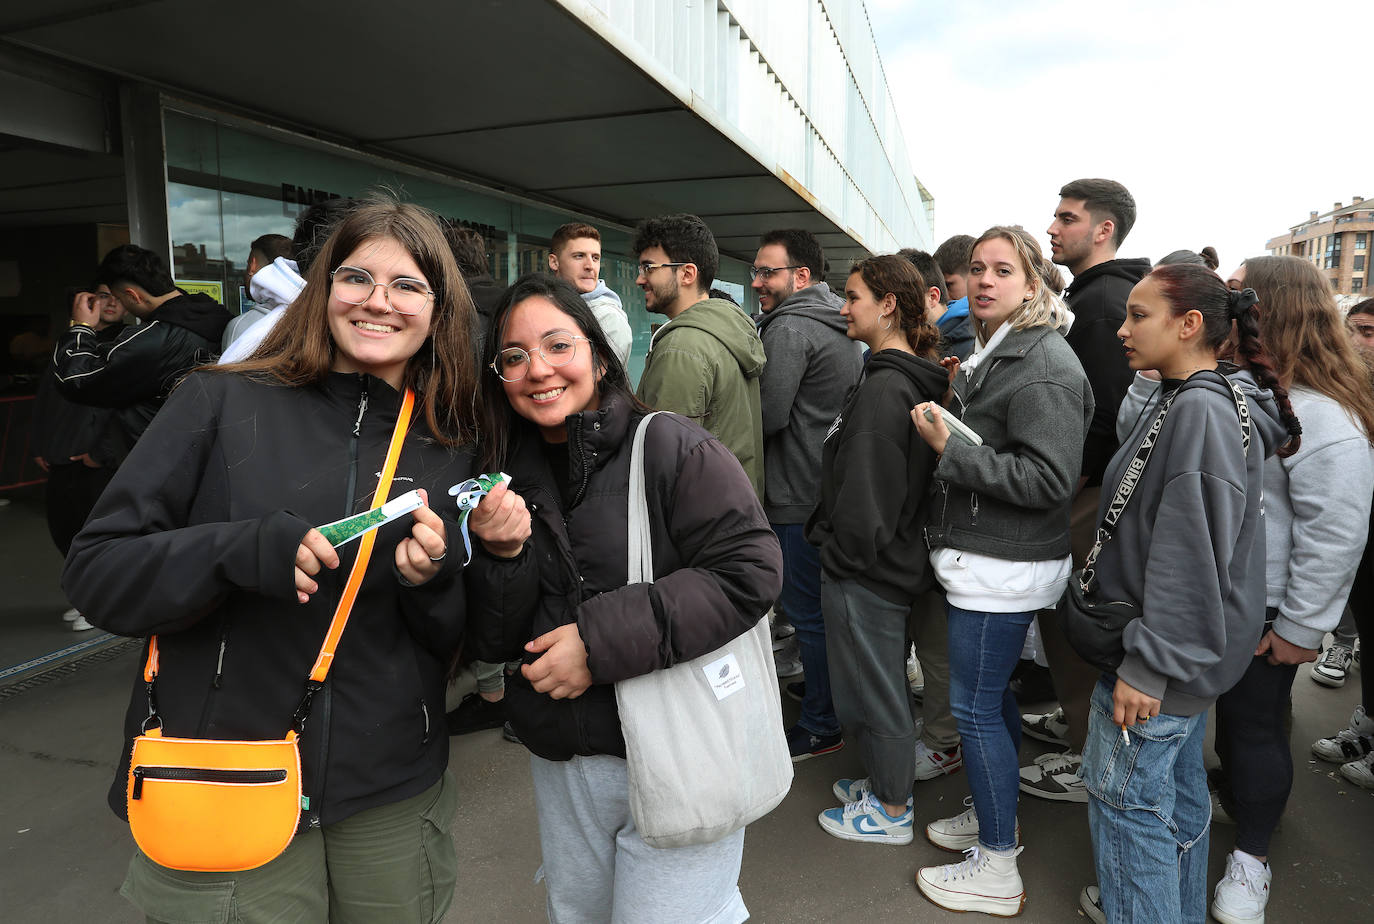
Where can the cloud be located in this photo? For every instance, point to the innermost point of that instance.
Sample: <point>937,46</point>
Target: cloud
<point>1227,121</point>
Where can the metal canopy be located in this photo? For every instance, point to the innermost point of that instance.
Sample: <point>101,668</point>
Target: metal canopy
<point>514,94</point>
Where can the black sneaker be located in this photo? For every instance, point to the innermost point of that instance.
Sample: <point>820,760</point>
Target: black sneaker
<point>475,714</point>
<point>805,745</point>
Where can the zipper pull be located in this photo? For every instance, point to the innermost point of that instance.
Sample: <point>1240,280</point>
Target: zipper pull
<point>219,662</point>
<point>138,783</point>
<point>362,409</point>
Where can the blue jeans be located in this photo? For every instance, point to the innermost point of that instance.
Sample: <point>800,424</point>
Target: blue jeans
<point>1149,814</point>
<point>801,601</point>
<point>983,650</point>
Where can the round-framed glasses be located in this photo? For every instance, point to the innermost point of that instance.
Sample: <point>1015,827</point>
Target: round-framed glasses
<point>354,286</point>
<point>557,349</point>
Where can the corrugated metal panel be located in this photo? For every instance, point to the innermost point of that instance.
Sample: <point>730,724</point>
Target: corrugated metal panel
<point>798,85</point>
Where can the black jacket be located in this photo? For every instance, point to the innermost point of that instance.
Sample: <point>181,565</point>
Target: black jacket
<point>195,541</point>
<point>63,428</point>
<point>717,564</point>
<point>1098,300</point>
<point>135,372</point>
<point>875,480</point>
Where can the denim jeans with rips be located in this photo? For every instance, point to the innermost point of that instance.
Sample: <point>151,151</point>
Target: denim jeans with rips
<point>1149,813</point>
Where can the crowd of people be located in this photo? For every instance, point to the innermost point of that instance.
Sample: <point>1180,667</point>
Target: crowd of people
<point>918,476</point>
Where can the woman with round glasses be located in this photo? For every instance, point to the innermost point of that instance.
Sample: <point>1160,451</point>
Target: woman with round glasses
<point>560,415</point>
<point>206,538</point>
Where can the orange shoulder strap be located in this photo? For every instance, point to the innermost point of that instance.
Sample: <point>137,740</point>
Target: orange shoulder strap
<point>355,576</point>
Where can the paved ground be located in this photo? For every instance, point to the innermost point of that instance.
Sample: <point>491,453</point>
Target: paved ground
<point>63,854</point>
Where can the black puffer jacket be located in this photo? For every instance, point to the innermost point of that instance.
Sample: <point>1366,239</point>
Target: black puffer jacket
<point>135,372</point>
<point>717,564</point>
<point>195,541</point>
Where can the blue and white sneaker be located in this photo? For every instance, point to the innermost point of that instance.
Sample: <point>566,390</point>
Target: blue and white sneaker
<point>865,820</point>
<point>850,790</point>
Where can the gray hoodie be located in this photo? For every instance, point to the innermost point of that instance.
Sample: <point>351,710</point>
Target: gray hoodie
<point>812,365</point>
<point>1190,547</point>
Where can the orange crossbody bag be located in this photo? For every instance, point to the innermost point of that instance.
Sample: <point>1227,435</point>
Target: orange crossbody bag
<point>225,806</point>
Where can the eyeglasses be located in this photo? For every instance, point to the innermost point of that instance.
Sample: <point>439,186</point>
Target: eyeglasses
<point>645,267</point>
<point>767,271</point>
<point>557,349</point>
<point>354,286</point>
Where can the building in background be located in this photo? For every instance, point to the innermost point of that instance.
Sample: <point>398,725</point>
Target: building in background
<point>1338,242</point>
<point>192,128</point>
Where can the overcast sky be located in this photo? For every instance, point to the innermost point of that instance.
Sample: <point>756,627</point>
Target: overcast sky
<point>1228,121</point>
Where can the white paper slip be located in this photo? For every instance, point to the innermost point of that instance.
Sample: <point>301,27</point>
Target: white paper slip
<point>724,676</point>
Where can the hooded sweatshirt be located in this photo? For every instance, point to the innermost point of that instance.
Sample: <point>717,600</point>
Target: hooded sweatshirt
<point>610,314</point>
<point>705,364</point>
<point>1098,297</point>
<point>812,365</point>
<point>1189,548</point>
<point>956,330</point>
<point>273,288</point>
<point>875,480</point>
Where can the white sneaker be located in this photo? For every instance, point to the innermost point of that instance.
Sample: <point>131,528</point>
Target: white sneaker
<point>1360,772</point>
<point>930,764</point>
<point>1243,892</point>
<point>1055,777</point>
<point>1090,900</point>
<point>915,677</point>
<point>983,882</point>
<point>79,624</point>
<point>1050,727</point>
<point>867,821</point>
<point>960,832</point>
<point>71,615</point>
<point>1349,743</point>
<point>848,791</point>
<point>1331,668</point>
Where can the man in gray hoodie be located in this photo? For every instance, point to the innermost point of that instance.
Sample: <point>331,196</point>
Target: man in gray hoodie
<point>812,364</point>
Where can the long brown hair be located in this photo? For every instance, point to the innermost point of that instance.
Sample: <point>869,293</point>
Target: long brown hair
<point>1305,334</point>
<point>894,274</point>
<point>300,350</point>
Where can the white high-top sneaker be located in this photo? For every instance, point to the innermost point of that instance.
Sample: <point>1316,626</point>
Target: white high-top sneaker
<point>1243,893</point>
<point>986,882</point>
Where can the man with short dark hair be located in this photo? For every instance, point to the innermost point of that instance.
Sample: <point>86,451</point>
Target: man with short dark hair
<point>812,364</point>
<point>575,257</point>
<point>956,327</point>
<point>262,253</point>
<point>135,372</point>
<point>1090,222</point>
<point>705,362</point>
<point>951,319</point>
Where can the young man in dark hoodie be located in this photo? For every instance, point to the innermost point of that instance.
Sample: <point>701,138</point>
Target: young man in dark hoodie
<point>1092,219</point>
<point>811,367</point>
<point>135,372</point>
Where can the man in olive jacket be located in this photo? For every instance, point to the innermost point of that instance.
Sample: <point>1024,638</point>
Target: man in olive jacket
<point>705,362</point>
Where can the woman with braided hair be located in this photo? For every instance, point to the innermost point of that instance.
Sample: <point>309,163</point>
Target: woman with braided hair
<point>1188,551</point>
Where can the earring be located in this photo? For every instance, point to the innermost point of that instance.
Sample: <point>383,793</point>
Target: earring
<point>888,324</point>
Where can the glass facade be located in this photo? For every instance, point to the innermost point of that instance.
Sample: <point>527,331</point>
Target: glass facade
<point>227,186</point>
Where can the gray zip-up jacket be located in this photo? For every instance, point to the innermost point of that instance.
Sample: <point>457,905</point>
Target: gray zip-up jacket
<point>812,365</point>
<point>1009,498</point>
<point>1189,549</point>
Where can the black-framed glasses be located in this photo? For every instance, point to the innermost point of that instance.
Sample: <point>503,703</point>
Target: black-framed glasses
<point>767,271</point>
<point>405,295</point>
<point>557,349</point>
<point>645,267</point>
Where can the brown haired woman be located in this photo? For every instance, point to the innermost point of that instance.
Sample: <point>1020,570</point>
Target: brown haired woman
<point>206,539</point>
<point>875,482</point>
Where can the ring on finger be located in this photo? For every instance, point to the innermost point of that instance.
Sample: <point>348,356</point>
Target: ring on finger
<point>442,556</point>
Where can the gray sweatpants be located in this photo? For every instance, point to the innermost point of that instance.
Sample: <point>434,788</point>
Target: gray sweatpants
<point>598,869</point>
<point>865,640</point>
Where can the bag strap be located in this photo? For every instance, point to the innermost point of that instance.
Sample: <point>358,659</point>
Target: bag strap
<point>1136,468</point>
<point>640,566</point>
<point>325,659</point>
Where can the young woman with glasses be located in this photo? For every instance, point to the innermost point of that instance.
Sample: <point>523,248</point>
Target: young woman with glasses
<point>560,417</point>
<point>206,538</point>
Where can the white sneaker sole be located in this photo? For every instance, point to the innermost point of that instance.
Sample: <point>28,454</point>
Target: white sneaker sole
<point>1327,680</point>
<point>958,843</point>
<point>963,901</point>
<point>847,834</point>
<point>1222,916</point>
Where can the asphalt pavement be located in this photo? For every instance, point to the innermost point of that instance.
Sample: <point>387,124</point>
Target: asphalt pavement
<point>65,854</point>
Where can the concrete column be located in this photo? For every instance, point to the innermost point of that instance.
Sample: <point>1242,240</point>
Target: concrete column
<point>145,168</point>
